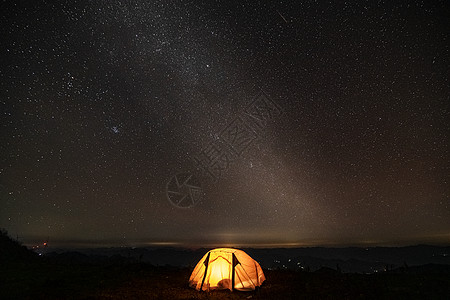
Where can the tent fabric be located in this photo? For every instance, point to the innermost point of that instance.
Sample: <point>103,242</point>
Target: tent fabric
<point>219,268</point>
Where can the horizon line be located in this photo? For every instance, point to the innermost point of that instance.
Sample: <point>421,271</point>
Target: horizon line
<point>198,245</point>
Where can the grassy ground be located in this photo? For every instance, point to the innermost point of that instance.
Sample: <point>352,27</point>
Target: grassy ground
<point>46,280</point>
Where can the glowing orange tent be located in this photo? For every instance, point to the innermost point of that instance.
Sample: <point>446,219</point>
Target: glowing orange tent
<point>226,268</point>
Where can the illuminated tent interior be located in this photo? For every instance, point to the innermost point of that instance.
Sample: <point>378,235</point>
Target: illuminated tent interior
<point>226,268</point>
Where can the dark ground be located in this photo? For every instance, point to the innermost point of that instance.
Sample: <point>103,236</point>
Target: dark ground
<point>46,280</point>
<point>26,275</point>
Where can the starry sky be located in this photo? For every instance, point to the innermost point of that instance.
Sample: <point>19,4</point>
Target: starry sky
<point>104,103</point>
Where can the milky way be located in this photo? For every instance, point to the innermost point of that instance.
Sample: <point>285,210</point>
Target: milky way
<point>103,102</point>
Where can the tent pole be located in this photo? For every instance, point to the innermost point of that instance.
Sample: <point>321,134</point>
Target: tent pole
<point>206,262</point>
<point>235,262</point>
<point>257,274</point>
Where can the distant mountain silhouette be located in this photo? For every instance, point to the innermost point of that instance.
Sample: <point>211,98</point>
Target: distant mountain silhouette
<point>346,260</point>
<point>351,259</point>
<point>327,271</point>
<point>424,269</point>
<point>154,256</point>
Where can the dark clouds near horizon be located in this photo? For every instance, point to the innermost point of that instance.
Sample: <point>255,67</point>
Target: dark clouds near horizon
<point>102,102</point>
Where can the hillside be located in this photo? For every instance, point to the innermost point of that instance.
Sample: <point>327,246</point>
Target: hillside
<point>145,273</point>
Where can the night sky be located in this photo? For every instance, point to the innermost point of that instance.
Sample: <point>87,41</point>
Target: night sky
<point>294,123</point>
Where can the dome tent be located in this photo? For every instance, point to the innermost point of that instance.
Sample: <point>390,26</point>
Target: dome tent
<point>226,268</point>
